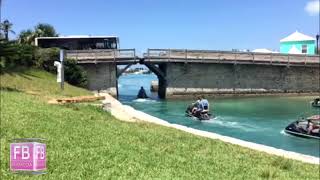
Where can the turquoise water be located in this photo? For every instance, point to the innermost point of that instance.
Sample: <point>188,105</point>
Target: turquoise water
<point>255,119</point>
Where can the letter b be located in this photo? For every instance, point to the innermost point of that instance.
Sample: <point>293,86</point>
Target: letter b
<point>25,152</point>
<point>40,150</point>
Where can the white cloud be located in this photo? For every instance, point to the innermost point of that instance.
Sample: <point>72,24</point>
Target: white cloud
<point>312,7</point>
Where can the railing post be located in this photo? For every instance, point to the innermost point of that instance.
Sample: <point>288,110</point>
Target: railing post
<point>253,57</point>
<point>202,54</point>
<point>305,59</point>
<point>77,55</point>
<point>169,54</point>
<point>134,54</point>
<point>235,58</point>
<point>148,53</point>
<point>186,53</point>
<point>62,57</point>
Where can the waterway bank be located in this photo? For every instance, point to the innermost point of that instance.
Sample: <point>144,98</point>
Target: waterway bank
<point>127,113</point>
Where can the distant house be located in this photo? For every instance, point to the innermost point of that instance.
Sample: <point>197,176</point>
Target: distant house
<point>262,51</point>
<point>298,43</point>
<point>79,42</point>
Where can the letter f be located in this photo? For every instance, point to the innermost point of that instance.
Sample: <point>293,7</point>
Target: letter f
<point>15,151</point>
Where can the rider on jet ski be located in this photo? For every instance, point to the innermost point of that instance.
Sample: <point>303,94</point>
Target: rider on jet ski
<point>201,106</point>
<point>196,106</point>
<point>142,93</point>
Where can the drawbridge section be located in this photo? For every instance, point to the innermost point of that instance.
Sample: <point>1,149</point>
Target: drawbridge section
<point>96,56</point>
<point>185,72</point>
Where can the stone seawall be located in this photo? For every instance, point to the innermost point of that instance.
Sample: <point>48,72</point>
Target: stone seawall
<point>185,93</point>
<point>229,79</point>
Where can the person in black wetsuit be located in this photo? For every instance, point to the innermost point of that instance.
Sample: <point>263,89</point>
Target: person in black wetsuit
<point>142,93</point>
<point>316,101</point>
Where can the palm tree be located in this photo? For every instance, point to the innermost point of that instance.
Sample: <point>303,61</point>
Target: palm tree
<point>6,26</point>
<point>45,30</point>
<point>40,30</point>
<point>26,37</point>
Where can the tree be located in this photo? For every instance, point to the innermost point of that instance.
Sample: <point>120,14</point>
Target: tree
<point>26,37</point>
<point>6,27</point>
<point>44,30</point>
<point>40,30</point>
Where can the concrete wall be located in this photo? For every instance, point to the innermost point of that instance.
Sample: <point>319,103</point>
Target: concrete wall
<point>193,78</point>
<point>101,76</point>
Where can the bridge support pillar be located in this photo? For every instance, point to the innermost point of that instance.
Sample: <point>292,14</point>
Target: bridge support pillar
<point>161,72</point>
<point>101,77</point>
<point>162,82</point>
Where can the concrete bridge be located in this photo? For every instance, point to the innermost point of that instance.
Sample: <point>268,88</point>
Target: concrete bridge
<point>188,72</point>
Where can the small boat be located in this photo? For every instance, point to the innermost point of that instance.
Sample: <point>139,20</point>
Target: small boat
<point>308,128</point>
<point>316,102</point>
<point>199,116</point>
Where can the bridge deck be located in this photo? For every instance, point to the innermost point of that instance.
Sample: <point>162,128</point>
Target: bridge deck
<point>126,56</point>
<point>200,56</point>
<point>119,56</point>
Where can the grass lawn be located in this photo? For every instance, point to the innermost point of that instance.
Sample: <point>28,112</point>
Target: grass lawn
<point>84,142</point>
<point>40,83</point>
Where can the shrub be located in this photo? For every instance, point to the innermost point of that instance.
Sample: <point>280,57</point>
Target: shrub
<point>25,55</point>
<point>44,58</point>
<point>73,73</point>
<point>12,55</point>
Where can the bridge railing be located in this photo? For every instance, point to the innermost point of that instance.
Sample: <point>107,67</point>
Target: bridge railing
<point>207,56</point>
<point>101,55</point>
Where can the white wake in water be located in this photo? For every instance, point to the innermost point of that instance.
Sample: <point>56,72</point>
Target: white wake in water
<point>284,133</point>
<point>145,100</point>
<point>232,124</point>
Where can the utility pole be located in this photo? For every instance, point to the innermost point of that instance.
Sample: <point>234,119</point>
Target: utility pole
<point>0,16</point>
<point>62,68</point>
<point>0,10</point>
<point>317,50</point>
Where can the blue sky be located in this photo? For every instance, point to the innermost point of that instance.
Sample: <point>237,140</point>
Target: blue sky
<point>192,24</point>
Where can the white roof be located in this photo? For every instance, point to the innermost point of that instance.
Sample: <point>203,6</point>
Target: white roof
<point>262,51</point>
<point>76,36</point>
<point>297,36</point>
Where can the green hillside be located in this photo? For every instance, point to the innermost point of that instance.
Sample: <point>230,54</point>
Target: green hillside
<point>84,142</point>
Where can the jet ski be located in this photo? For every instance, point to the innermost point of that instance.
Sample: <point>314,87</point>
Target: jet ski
<point>308,128</point>
<point>142,94</point>
<point>200,116</point>
<point>316,102</point>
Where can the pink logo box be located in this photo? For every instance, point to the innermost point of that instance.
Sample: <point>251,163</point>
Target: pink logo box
<point>28,156</point>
